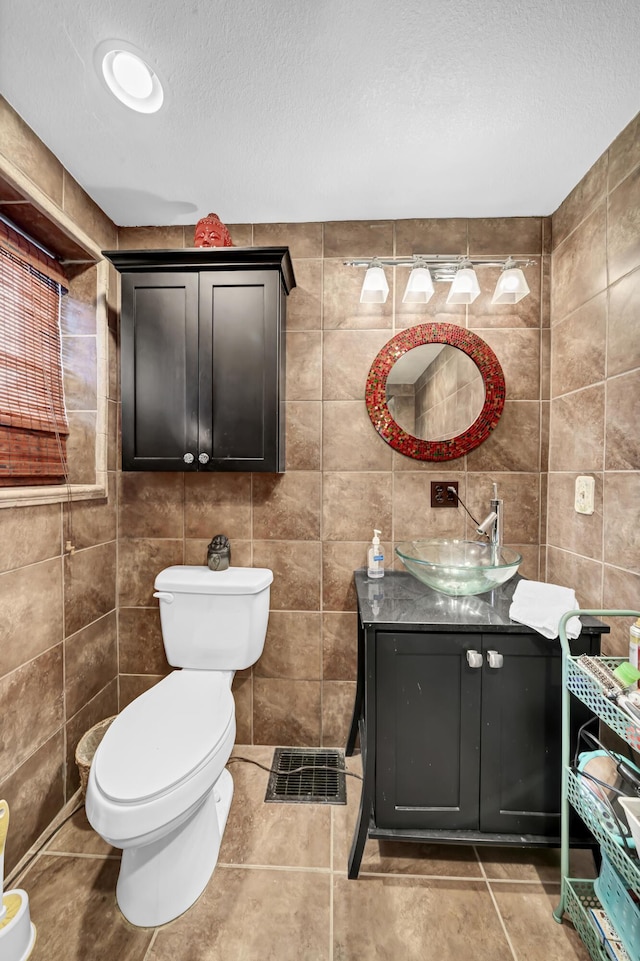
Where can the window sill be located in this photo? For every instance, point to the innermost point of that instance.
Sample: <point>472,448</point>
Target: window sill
<point>58,494</point>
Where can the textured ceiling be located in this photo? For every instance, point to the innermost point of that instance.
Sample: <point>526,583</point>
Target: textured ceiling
<point>302,110</point>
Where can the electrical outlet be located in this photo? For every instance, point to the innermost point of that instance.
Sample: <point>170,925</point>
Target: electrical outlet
<point>585,491</point>
<point>441,497</point>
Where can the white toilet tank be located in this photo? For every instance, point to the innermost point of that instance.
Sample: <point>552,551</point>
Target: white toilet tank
<point>213,620</point>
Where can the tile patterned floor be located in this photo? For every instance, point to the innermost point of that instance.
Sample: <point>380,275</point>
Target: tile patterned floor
<point>280,893</point>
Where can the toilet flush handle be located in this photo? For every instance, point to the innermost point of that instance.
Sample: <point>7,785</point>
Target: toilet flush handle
<point>164,596</point>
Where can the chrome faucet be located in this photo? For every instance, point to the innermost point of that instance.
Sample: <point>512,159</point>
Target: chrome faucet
<point>491,526</point>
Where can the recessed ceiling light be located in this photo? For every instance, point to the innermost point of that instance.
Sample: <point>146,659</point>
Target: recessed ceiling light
<point>129,77</point>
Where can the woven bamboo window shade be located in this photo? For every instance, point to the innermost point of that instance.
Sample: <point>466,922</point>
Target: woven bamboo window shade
<point>33,422</point>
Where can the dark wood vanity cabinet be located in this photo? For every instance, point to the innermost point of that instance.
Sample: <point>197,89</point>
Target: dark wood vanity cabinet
<point>459,715</point>
<point>203,358</point>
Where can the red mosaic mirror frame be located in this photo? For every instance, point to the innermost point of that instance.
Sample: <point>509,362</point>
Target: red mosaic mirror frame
<point>488,365</point>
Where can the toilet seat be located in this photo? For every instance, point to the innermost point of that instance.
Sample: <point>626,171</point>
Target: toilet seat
<point>161,756</point>
<point>164,736</point>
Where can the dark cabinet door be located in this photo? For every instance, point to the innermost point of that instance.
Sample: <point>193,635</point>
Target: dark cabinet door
<point>427,731</point>
<point>159,365</point>
<point>240,355</point>
<point>520,781</point>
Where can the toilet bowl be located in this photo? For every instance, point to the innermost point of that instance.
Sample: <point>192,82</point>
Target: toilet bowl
<point>158,787</point>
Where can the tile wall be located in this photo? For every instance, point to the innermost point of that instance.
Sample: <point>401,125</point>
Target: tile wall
<point>58,622</point>
<point>595,384</point>
<point>313,524</point>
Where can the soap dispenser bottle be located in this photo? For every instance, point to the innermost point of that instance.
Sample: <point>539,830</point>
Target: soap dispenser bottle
<point>375,566</point>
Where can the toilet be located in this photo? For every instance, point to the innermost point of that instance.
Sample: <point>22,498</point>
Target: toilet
<point>158,787</point>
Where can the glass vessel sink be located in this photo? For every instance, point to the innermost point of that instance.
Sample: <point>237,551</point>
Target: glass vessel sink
<point>458,567</point>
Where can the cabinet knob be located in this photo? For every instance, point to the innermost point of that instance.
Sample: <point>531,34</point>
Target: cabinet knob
<point>495,659</point>
<point>203,458</point>
<point>474,659</point>
<point>188,458</point>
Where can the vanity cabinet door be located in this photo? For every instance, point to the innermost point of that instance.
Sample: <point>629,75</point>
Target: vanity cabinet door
<point>159,371</point>
<point>520,780</point>
<point>427,731</point>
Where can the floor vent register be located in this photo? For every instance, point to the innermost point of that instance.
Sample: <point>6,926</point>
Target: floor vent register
<point>307,776</point>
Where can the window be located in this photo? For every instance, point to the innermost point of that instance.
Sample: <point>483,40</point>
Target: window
<point>33,421</point>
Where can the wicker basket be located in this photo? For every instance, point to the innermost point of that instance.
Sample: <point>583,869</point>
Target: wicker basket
<point>87,747</point>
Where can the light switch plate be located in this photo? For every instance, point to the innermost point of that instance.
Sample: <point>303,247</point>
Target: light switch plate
<point>585,491</point>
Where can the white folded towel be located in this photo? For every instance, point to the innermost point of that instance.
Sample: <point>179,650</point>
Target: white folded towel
<point>540,606</point>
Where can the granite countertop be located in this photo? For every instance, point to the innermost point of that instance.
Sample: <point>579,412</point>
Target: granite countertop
<point>398,598</point>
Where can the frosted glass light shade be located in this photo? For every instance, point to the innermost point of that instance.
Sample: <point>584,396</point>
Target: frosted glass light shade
<point>375,288</point>
<point>464,287</point>
<point>130,79</point>
<point>511,287</point>
<point>419,289</point>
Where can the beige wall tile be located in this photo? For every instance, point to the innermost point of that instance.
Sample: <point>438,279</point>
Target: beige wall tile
<point>577,431</point>
<point>578,347</point>
<point>102,706</point>
<point>286,712</point>
<point>623,227</point>
<point>342,309</point>
<point>29,154</point>
<point>287,506</point>
<point>89,585</point>
<point>622,520</point>
<point>438,236</point>
<point>621,591</point>
<point>304,365</point>
<point>624,152</point>
<point>349,439</point>
<point>90,662</point>
<point>339,560</point>
<point>354,503</point>
<point>32,705</point>
<point>140,645</point>
<point>140,560</point>
<point>87,523</point>
<point>86,213</point>
<point>151,238</point>
<point>622,441</point>
<point>413,516</point>
<point>347,356</point>
<point>519,354</point>
<point>579,268</point>
<point>133,685</point>
<point>81,444</point>
<point>304,306</point>
<point>337,707</point>
<point>296,573</point>
<point>526,313</point>
<point>505,235</point>
<point>303,434</point>
<point>292,647</point>
<point>242,688</point>
<point>358,238</point>
<point>623,340</point>
<point>580,573</point>
<point>217,504</point>
<point>515,442</point>
<point>30,612</point>
<point>339,646</point>
<point>585,196</point>
<point>28,535</point>
<point>80,372</point>
<point>151,504</point>
<point>521,510</point>
<point>303,240</point>
<point>568,530</point>
<point>35,794</point>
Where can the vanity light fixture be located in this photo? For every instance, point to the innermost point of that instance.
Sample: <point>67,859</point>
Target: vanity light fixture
<point>419,289</point>
<point>375,288</point>
<point>460,272</point>
<point>128,76</point>
<point>512,285</point>
<point>464,287</point>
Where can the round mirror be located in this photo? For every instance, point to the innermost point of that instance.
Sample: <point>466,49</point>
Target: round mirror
<point>435,391</point>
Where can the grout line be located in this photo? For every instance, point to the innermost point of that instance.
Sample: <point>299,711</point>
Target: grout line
<point>302,869</point>
<point>501,920</point>
<point>50,853</point>
<point>147,953</point>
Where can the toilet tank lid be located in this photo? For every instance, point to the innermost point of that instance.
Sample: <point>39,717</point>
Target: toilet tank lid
<point>183,579</point>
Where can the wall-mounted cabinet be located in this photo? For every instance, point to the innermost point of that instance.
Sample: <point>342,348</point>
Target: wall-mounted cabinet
<point>202,349</point>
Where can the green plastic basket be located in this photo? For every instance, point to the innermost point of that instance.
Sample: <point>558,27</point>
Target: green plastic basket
<point>619,906</point>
